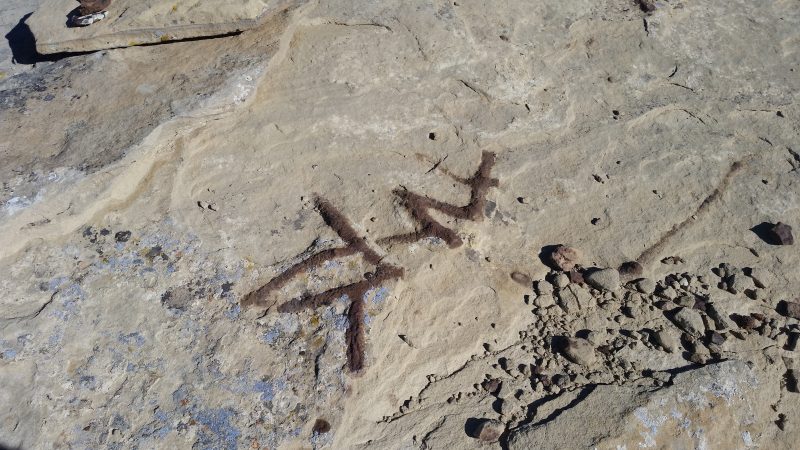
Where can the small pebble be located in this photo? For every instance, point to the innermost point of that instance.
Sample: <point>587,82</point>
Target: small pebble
<point>603,279</point>
<point>686,301</point>
<point>668,293</point>
<point>580,351</point>
<point>668,341</point>
<point>789,309</point>
<point>544,301</point>
<point>645,285</point>
<point>700,357</point>
<point>745,322</point>
<point>563,258</point>
<point>491,386</point>
<point>689,321</point>
<point>780,234</point>
<point>760,277</point>
<point>543,287</point>
<point>561,280</point>
<point>576,276</point>
<point>717,338</point>
<point>721,321</point>
<point>489,430</point>
<point>631,269</point>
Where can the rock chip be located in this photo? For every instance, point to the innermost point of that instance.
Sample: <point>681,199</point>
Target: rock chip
<point>668,293</point>
<point>575,298</point>
<point>560,380</point>
<point>700,355</point>
<point>579,350</point>
<point>561,280</point>
<point>674,260</point>
<point>686,301</point>
<point>738,282</point>
<point>491,386</point>
<point>721,321</point>
<point>689,321</point>
<point>489,430</point>
<point>576,276</point>
<point>717,338</point>
<point>761,278</point>
<point>544,301</point>
<point>507,406</point>
<point>563,258</point>
<point>668,341</point>
<point>789,309</point>
<point>645,285</point>
<point>780,234</point>
<point>603,279</point>
<point>745,322</point>
<point>595,337</point>
<point>631,269</point>
<point>543,287</point>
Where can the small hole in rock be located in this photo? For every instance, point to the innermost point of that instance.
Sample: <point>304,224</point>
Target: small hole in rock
<point>432,136</point>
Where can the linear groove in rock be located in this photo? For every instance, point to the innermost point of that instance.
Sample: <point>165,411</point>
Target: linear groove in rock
<point>647,255</point>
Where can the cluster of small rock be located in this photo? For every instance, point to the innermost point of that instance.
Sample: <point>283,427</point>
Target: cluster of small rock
<point>589,323</point>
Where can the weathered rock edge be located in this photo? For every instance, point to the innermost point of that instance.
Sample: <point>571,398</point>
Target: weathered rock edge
<point>52,36</point>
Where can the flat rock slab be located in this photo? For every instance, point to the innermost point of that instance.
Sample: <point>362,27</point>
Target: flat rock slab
<point>716,406</point>
<point>137,22</point>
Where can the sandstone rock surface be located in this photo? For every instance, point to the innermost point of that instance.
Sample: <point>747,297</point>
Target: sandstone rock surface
<point>718,406</point>
<point>304,235</point>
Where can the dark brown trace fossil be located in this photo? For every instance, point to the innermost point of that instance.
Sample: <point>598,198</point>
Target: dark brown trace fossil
<point>419,208</point>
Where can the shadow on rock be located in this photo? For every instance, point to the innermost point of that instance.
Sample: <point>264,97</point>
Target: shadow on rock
<point>764,232</point>
<point>23,45</point>
<point>471,426</point>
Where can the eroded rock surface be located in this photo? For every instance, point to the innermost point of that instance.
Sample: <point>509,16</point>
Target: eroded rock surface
<point>149,191</point>
<point>717,406</point>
